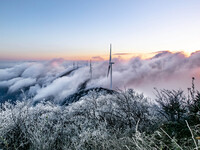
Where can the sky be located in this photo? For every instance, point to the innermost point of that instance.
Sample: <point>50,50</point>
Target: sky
<point>83,29</point>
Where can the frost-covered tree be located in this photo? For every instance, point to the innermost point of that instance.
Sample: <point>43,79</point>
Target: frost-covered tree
<point>120,120</point>
<point>172,104</point>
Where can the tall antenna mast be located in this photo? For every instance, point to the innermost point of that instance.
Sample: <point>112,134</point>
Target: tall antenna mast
<point>90,69</point>
<point>193,88</point>
<point>110,66</point>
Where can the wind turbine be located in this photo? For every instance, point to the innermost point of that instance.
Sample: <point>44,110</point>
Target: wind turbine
<point>90,69</point>
<point>110,67</point>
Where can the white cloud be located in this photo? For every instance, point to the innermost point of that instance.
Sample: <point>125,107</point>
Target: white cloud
<point>165,70</point>
<point>21,83</point>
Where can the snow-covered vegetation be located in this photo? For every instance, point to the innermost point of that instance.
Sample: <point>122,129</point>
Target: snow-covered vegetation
<point>122,120</point>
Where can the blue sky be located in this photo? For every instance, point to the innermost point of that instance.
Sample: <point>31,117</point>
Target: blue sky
<point>79,29</point>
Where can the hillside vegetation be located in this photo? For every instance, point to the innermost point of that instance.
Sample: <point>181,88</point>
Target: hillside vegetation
<point>123,120</point>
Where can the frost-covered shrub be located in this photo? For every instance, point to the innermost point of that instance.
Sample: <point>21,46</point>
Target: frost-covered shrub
<point>12,125</point>
<point>172,103</point>
<point>121,110</point>
<point>98,121</point>
<point>132,108</point>
<point>89,123</point>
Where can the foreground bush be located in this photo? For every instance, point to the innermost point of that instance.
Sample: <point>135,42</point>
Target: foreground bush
<point>124,120</point>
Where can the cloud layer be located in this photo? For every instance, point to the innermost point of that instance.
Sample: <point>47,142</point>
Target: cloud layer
<point>42,80</point>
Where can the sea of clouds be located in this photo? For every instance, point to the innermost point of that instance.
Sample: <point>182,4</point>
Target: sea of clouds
<point>44,79</point>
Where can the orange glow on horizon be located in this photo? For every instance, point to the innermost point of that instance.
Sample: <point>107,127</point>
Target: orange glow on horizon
<point>85,57</point>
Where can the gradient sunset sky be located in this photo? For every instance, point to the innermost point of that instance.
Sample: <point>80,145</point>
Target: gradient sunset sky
<point>82,29</point>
